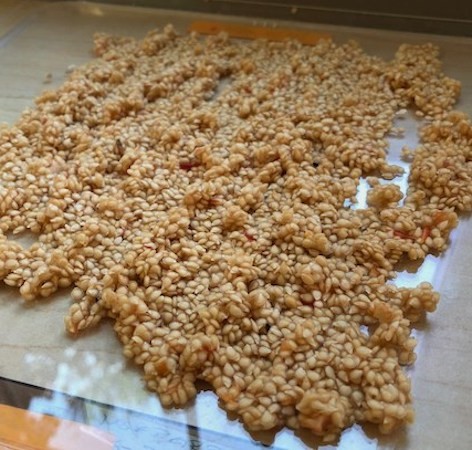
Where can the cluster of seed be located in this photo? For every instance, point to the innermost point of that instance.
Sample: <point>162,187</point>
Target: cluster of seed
<point>195,192</point>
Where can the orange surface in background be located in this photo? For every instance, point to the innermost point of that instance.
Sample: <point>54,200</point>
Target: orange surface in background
<point>257,32</point>
<point>25,430</point>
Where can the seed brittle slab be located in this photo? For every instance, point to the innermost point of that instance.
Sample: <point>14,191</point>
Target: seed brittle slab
<point>194,191</point>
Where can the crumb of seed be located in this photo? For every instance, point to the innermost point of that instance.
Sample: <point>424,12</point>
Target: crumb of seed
<point>48,78</point>
<point>384,196</point>
<point>407,154</point>
<point>397,132</point>
<point>373,181</point>
<point>210,225</point>
<point>70,68</point>
<point>401,113</point>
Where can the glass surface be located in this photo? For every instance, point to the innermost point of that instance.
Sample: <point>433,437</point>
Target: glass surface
<point>35,53</point>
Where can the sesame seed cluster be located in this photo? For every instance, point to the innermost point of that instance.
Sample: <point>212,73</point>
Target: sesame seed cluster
<point>196,192</point>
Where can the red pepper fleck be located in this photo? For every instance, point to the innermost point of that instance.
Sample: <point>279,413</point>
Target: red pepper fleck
<point>249,236</point>
<point>401,234</point>
<point>440,216</point>
<point>188,165</point>
<point>426,233</point>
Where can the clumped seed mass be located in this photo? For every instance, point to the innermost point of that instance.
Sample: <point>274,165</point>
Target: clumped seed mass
<point>194,191</point>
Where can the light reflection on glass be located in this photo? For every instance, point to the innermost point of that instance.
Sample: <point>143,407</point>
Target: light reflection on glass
<point>21,429</point>
<point>410,123</point>
<point>133,429</point>
<point>354,438</point>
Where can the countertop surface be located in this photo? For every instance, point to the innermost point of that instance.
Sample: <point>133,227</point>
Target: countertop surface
<point>38,39</point>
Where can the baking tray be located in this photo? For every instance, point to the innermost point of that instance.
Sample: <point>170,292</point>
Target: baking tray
<point>39,41</point>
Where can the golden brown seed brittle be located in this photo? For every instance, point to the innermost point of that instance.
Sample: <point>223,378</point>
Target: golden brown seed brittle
<point>210,224</point>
